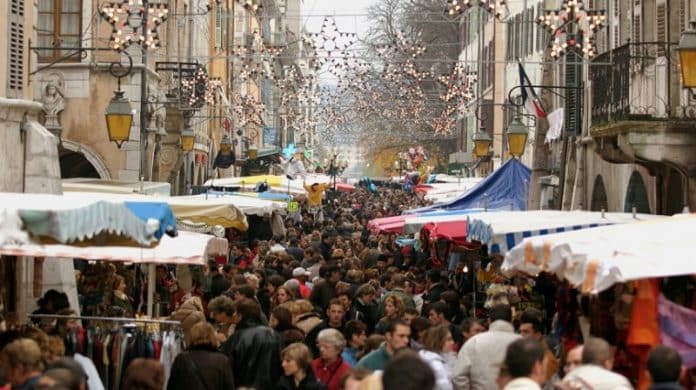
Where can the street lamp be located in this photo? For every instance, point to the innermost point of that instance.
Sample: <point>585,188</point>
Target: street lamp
<point>687,57</point>
<point>188,138</point>
<point>517,137</point>
<point>252,152</point>
<point>119,118</point>
<point>482,143</point>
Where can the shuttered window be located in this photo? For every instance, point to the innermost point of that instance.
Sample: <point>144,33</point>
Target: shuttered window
<point>59,27</point>
<point>15,50</point>
<point>661,29</point>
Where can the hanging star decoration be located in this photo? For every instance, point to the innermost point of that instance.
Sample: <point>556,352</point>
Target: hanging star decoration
<point>572,27</point>
<point>126,19</point>
<point>458,7</point>
<point>198,90</point>
<point>329,43</point>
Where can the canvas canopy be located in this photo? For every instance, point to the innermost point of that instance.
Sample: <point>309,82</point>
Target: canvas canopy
<point>505,189</point>
<point>82,219</point>
<point>502,230</point>
<point>209,212</point>
<point>186,248</point>
<point>595,259</point>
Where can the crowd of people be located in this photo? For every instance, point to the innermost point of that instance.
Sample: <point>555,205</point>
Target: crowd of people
<point>331,305</point>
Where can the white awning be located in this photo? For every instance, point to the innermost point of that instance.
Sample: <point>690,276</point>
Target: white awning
<point>502,230</point>
<point>595,259</point>
<point>186,248</point>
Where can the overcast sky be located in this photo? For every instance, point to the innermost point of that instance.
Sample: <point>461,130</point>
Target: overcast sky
<point>351,16</point>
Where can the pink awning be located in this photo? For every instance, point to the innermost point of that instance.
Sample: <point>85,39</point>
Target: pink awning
<point>345,187</point>
<point>389,224</point>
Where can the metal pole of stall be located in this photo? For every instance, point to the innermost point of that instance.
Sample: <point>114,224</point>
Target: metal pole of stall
<point>151,281</point>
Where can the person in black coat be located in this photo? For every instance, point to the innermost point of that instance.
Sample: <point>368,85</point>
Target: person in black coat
<point>297,369</point>
<point>254,349</point>
<point>202,366</point>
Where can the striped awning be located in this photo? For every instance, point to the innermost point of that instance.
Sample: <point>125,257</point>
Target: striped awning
<point>503,230</point>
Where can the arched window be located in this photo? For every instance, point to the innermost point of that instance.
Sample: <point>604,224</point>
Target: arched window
<point>599,196</point>
<point>636,195</point>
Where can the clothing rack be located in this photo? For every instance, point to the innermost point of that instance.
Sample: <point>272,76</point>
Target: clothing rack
<point>109,319</point>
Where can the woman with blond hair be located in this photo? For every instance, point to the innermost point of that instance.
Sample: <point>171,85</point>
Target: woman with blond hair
<point>393,310</point>
<point>297,369</point>
<point>437,344</point>
<point>202,366</point>
<point>304,315</point>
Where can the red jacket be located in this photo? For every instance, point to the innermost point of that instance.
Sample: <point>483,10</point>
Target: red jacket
<point>330,375</point>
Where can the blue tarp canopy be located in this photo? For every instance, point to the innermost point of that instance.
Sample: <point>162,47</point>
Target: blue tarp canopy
<point>504,189</point>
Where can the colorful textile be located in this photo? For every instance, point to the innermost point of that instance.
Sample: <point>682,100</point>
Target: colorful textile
<point>678,329</point>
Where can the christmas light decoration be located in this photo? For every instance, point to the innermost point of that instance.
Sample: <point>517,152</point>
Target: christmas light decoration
<point>198,90</point>
<point>494,7</point>
<point>572,27</point>
<point>127,18</point>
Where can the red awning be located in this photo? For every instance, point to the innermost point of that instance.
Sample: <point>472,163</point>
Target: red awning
<point>454,231</point>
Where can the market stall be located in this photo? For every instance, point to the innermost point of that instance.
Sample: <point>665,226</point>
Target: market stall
<point>501,231</point>
<point>187,248</point>
<point>81,219</point>
<point>504,189</point>
<point>596,259</point>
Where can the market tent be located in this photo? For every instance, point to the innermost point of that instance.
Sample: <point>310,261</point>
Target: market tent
<point>82,219</point>
<point>444,192</point>
<point>208,212</point>
<point>84,184</point>
<point>501,231</point>
<point>186,248</point>
<point>412,225</point>
<point>386,224</point>
<point>277,183</point>
<point>504,189</point>
<point>454,231</point>
<point>595,259</point>
<point>247,205</point>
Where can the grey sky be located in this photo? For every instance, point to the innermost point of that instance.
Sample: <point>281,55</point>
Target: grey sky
<point>350,15</point>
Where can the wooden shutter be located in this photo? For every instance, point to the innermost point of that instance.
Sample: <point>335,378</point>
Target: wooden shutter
<point>15,50</point>
<point>661,29</point>
<point>573,101</point>
<point>219,28</point>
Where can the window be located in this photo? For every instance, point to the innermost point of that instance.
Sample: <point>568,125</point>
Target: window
<point>661,29</point>
<point>59,27</point>
<point>15,50</point>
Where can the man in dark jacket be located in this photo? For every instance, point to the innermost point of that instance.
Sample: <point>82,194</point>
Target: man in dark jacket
<point>364,307</point>
<point>254,349</point>
<point>295,251</point>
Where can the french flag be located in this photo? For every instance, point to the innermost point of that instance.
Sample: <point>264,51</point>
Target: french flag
<point>529,97</point>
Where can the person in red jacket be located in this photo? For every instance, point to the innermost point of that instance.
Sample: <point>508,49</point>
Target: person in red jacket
<point>330,367</point>
<point>300,274</point>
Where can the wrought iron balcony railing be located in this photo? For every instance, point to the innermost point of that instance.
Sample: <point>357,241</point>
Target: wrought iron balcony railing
<point>639,85</point>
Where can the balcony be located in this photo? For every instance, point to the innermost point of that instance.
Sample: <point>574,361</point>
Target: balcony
<point>641,85</point>
<point>639,112</point>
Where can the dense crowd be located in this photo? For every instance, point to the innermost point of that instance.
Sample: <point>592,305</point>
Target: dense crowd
<point>328,304</point>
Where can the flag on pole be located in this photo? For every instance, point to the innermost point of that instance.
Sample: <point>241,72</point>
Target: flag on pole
<point>530,99</point>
